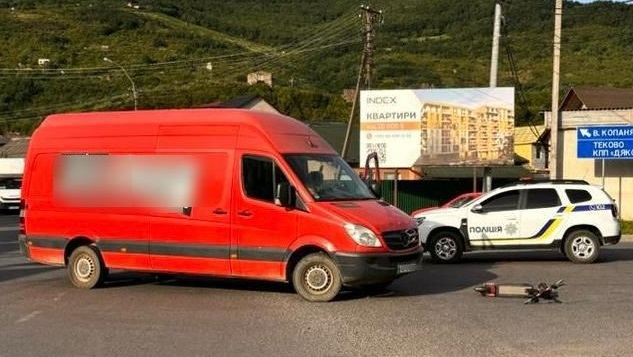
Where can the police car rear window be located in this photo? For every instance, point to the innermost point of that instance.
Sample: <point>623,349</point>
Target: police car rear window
<point>576,196</point>
<point>542,198</point>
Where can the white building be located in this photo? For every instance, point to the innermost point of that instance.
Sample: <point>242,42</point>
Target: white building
<point>583,107</point>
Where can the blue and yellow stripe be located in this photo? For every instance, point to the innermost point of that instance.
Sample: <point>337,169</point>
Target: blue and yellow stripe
<point>543,234</point>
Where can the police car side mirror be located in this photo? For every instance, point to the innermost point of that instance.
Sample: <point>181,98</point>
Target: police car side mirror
<point>477,209</point>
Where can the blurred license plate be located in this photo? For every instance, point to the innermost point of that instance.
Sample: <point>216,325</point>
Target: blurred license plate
<point>407,267</point>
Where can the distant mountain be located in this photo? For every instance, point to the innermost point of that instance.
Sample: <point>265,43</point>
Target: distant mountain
<point>187,53</point>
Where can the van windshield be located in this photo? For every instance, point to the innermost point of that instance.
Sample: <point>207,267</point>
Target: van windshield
<point>328,177</point>
<point>10,183</point>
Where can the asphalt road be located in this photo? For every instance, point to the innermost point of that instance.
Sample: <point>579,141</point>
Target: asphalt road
<point>434,312</point>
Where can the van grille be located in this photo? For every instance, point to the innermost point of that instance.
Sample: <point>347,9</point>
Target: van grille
<point>399,240</point>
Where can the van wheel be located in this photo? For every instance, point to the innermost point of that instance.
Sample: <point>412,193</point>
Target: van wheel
<point>85,267</point>
<point>582,246</point>
<point>317,278</point>
<point>446,247</point>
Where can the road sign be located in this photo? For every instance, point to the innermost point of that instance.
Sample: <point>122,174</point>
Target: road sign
<point>605,142</point>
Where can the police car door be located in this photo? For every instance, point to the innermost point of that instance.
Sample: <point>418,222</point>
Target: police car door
<point>541,216</point>
<point>493,220</point>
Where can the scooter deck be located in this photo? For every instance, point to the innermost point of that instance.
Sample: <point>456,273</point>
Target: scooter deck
<point>535,294</point>
<point>506,290</point>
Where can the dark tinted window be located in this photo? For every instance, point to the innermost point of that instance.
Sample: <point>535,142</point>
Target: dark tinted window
<point>10,183</point>
<point>576,196</point>
<point>504,201</point>
<point>542,198</point>
<point>260,176</point>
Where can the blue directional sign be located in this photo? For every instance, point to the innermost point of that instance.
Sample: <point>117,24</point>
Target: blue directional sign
<point>605,142</point>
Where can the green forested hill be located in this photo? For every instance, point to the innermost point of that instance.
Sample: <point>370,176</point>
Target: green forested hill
<point>187,53</point>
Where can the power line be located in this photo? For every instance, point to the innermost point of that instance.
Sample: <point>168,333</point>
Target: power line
<point>370,17</point>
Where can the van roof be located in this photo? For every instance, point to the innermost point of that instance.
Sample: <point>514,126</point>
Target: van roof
<point>273,122</point>
<point>147,122</point>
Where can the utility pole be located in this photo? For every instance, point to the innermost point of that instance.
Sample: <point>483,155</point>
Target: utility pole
<point>370,18</point>
<point>496,33</point>
<point>494,65</point>
<point>553,147</point>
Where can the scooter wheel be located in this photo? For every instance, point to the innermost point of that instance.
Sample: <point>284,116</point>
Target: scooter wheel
<point>483,290</point>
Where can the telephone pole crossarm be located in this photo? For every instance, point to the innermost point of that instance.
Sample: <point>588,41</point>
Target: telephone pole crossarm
<point>370,18</point>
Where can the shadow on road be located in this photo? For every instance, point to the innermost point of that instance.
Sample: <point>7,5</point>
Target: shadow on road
<point>433,279</point>
<point>474,269</point>
<point>607,255</point>
<point>123,279</point>
<point>23,270</point>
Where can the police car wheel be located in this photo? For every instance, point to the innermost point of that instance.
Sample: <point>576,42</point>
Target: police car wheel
<point>317,278</point>
<point>446,247</point>
<point>582,246</point>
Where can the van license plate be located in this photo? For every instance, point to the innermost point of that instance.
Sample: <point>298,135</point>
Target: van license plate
<point>407,268</point>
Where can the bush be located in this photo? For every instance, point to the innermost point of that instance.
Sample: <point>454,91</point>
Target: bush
<point>627,227</point>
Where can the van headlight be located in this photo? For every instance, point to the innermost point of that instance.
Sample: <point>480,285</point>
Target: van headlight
<point>419,220</point>
<point>362,235</point>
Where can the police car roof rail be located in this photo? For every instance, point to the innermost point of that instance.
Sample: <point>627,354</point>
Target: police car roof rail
<point>553,181</point>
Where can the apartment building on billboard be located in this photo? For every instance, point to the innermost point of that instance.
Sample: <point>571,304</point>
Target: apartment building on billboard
<point>463,135</point>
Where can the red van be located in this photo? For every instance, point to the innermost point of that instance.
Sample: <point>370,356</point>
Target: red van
<point>222,192</point>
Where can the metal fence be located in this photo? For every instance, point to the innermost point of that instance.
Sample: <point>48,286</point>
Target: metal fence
<point>411,195</point>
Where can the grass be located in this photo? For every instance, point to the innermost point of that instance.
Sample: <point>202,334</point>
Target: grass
<point>627,227</point>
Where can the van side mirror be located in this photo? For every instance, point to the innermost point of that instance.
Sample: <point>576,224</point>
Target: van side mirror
<point>286,195</point>
<point>371,176</point>
<point>477,209</point>
<point>376,187</point>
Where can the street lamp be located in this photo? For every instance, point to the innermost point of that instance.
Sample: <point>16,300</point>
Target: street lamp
<point>128,77</point>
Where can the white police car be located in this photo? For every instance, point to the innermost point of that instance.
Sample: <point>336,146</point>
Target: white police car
<point>570,215</point>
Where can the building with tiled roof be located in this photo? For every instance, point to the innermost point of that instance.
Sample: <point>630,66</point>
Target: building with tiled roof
<point>251,101</point>
<point>528,146</point>
<point>589,98</point>
<point>14,148</point>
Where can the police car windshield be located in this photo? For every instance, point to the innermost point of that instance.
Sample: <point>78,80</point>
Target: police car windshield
<point>461,202</point>
<point>328,177</point>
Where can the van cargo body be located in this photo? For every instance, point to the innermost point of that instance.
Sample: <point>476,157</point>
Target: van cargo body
<point>221,192</point>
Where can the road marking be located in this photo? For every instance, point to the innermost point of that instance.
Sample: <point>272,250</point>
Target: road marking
<point>29,316</point>
<point>7,229</point>
<point>7,243</point>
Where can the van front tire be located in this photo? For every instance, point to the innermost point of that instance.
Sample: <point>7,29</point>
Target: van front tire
<point>85,268</point>
<point>317,278</point>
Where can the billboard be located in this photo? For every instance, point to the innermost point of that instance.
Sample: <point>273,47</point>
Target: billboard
<point>461,126</point>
